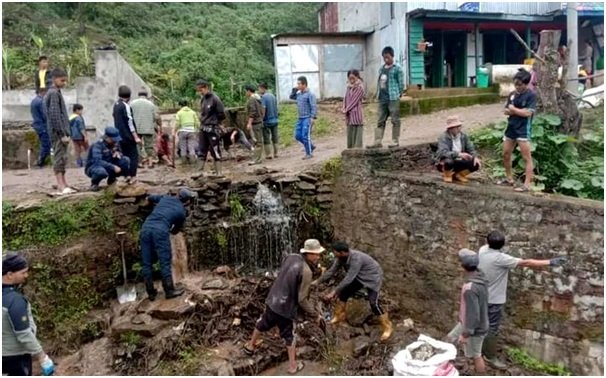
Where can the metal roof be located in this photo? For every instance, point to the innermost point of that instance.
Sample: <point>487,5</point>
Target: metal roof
<point>458,15</point>
<point>325,34</point>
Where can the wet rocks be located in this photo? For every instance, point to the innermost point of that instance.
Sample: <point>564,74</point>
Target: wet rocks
<point>215,284</point>
<point>305,186</point>
<point>125,324</point>
<point>132,190</point>
<point>308,178</point>
<point>168,309</point>
<point>360,345</point>
<point>357,312</point>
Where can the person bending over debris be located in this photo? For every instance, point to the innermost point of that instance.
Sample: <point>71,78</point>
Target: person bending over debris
<point>496,265</point>
<point>163,149</point>
<point>473,311</point>
<point>105,161</point>
<point>230,135</point>
<point>167,217</point>
<point>456,156</point>
<point>362,272</point>
<point>289,291</point>
<point>19,341</point>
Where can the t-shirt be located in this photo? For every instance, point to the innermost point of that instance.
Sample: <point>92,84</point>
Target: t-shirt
<point>383,86</point>
<point>42,78</point>
<point>525,100</point>
<point>496,265</point>
<point>270,104</point>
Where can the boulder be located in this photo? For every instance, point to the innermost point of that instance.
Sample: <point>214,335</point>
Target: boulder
<point>306,186</point>
<point>308,178</point>
<point>360,345</point>
<point>168,309</point>
<point>324,198</point>
<point>357,312</point>
<point>124,324</point>
<point>133,190</point>
<point>120,201</point>
<point>142,319</point>
<point>324,189</point>
<point>215,284</point>
<point>288,180</point>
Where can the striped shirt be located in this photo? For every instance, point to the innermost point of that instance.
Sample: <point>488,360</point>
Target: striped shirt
<point>352,104</point>
<point>144,113</point>
<point>306,104</point>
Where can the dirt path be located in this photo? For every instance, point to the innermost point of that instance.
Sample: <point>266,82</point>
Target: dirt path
<point>18,185</point>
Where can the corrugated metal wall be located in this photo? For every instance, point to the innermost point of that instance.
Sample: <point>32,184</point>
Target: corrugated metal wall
<point>490,7</point>
<point>432,5</point>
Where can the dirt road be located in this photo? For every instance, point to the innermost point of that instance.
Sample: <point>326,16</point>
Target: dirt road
<point>21,184</point>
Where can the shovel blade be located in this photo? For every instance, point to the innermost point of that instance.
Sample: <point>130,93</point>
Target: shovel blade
<point>126,294</point>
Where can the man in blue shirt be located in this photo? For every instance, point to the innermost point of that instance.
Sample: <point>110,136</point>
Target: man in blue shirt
<point>308,110</point>
<point>270,121</point>
<point>39,125</point>
<point>105,160</point>
<point>168,217</point>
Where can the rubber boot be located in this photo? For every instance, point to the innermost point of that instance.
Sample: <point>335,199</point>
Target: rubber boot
<point>200,165</point>
<point>184,160</point>
<point>267,148</point>
<point>379,131</point>
<point>462,176</point>
<point>218,169</point>
<point>151,290</point>
<point>489,348</point>
<point>386,326</point>
<point>339,315</point>
<point>395,137</point>
<point>275,151</point>
<point>169,289</point>
<point>447,175</point>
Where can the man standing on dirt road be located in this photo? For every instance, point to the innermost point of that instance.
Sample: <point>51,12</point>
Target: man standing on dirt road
<point>362,272</point>
<point>308,113</point>
<point>254,125</point>
<point>19,341</point>
<point>289,292</point>
<point>39,126</point>
<point>390,87</point>
<point>270,121</point>
<point>496,266</point>
<point>145,114</point>
<point>211,116</point>
<point>125,123</point>
<point>168,217</point>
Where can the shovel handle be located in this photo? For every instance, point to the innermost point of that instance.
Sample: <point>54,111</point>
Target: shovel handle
<point>123,259</point>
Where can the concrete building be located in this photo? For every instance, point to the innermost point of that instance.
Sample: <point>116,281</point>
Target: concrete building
<point>440,44</point>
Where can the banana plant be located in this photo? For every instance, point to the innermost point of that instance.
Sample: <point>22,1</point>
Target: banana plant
<point>6,63</point>
<point>38,42</point>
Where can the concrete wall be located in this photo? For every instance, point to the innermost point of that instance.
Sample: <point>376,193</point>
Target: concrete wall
<point>97,94</point>
<point>414,224</point>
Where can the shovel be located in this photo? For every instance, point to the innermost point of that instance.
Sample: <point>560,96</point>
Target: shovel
<point>126,293</point>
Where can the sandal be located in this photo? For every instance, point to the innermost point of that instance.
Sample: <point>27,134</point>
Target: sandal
<point>300,366</point>
<point>522,189</point>
<point>248,351</point>
<point>505,182</point>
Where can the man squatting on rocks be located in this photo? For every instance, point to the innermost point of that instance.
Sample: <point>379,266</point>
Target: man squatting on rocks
<point>473,311</point>
<point>362,272</point>
<point>289,291</point>
<point>456,156</point>
<point>496,266</point>
<point>19,342</point>
<point>211,116</point>
<point>105,160</point>
<point>168,217</point>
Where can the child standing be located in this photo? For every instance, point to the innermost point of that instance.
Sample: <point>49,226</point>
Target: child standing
<point>78,133</point>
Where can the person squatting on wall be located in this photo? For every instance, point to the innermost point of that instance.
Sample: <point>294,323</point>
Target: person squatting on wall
<point>105,160</point>
<point>352,108</point>
<point>19,341</point>
<point>125,123</point>
<point>211,116</point>
<point>390,85</point>
<point>167,217</point>
<point>362,272</point>
<point>456,156</point>
<point>40,127</point>
<point>289,291</point>
<point>308,113</point>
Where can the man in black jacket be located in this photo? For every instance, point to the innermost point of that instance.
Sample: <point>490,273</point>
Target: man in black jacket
<point>125,123</point>
<point>211,117</point>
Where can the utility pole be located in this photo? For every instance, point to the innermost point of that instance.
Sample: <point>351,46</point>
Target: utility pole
<point>572,31</point>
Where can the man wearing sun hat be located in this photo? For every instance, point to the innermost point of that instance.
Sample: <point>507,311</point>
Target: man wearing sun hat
<point>456,156</point>
<point>289,292</point>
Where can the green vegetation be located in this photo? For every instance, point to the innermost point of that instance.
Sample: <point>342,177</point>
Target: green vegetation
<point>221,238</point>
<point>62,318</point>
<point>170,45</point>
<point>53,223</point>
<point>332,168</point>
<point>238,213</point>
<point>522,358</point>
<point>288,120</point>
<point>563,164</point>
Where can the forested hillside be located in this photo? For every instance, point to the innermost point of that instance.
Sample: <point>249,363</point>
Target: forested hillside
<point>169,44</point>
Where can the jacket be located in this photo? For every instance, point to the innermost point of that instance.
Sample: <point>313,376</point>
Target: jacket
<point>445,147</point>
<point>38,113</point>
<point>18,327</point>
<point>145,114</point>
<point>254,110</point>
<point>473,312</point>
<point>124,121</point>
<point>101,154</point>
<point>168,214</point>
<point>212,111</point>
<point>56,114</point>
<point>77,127</point>
<point>187,120</point>
<point>290,288</point>
<point>359,266</point>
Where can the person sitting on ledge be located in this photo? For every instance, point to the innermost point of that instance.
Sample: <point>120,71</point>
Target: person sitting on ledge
<point>456,156</point>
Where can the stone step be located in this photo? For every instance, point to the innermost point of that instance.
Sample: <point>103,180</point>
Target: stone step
<point>441,92</point>
<point>412,106</point>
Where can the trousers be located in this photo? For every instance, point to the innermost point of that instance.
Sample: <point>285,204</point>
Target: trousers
<point>155,246</point>
<point>373,296</point>
<point>457,165</point>
<point>98,173</point>
<point>17,365</point>
<point>209,142</point>
<point>303,134</point>
<point>130,150</point>
<point>45,144</point>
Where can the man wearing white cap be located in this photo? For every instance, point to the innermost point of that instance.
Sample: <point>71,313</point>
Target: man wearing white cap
<point>289,292</point>
<point>456,156</point>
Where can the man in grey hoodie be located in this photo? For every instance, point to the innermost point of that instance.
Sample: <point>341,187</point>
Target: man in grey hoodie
<point>473,311</point>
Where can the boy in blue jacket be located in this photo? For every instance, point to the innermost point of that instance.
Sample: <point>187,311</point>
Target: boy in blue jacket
<point>78,133</point>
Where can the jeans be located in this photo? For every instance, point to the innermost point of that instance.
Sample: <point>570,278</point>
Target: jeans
<point>45,144</point>
<point>97,173</point>
<point>303,134</point>
<point>155,245</point>
<point>495,314</point>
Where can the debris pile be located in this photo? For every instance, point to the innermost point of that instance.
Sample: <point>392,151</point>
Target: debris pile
<point>425,351</point>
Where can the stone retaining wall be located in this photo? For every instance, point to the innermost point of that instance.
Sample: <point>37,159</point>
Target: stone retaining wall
<point>415,224</point>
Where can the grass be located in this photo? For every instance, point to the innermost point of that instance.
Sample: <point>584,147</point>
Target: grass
<point>522,358</point>
<point>288,120</point>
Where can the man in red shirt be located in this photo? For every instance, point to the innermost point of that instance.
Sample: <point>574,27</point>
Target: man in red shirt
<point>163,149</point>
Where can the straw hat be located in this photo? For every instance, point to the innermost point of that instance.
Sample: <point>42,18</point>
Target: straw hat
<point>312,246</point>
<point>453,121</point>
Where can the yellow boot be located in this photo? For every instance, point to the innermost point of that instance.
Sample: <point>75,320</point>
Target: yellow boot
<point>386,326</point>
<point>462,176</point>
<point>447,175</point>
<point>339,315</point>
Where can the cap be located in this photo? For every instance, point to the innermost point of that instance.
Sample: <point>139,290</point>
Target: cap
<point>13,262</point>
<point>468,258</point>
<point>112,132</point>
<point>185,194</point>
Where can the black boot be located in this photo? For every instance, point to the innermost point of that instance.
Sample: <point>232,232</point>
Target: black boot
<point>151,290</point>
<point>169,289</point>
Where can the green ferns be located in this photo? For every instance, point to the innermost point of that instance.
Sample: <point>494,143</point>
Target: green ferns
<point>522,358</point>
